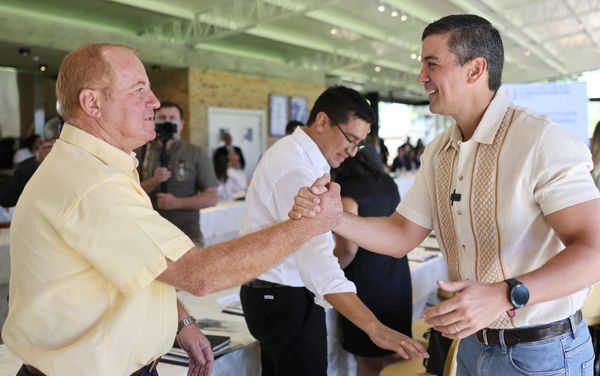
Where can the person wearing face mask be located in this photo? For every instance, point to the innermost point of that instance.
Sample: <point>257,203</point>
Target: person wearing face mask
<point>185,181</point>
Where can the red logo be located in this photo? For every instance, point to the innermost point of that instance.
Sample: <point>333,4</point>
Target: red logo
<point>511,312</point>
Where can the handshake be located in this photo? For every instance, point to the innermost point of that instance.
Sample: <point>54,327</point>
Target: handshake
<point>321,202</point>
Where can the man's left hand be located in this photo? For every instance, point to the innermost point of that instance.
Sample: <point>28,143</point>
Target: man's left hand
<point>166,201</point>
<point>198,349</point>
<point>474,306</point>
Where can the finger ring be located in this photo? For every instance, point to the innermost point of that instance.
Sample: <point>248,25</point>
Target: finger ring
<point>403,343</point>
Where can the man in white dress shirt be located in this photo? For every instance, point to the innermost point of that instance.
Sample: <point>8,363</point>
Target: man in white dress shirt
<point>516,213</point>
<point>283,307</point>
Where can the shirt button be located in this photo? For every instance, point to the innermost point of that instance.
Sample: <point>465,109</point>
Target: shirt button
<point>460,177</point>
<point>458,212</point>
<point>464,246</point>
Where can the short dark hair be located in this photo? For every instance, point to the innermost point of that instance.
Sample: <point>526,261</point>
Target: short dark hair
<point>171,104</point>
<point>472,36</point>
<point>340,103</point>
<point>291,125</point>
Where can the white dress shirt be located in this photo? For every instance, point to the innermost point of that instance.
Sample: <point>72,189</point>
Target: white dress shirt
<point>293,162</point>
<point>541,169</point>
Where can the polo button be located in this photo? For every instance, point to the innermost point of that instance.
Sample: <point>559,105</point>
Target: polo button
<point>460,177</point>
<point>458,212</point>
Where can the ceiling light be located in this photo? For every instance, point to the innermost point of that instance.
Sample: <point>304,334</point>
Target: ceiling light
<point>24,51</point>
<point>381,8</point>
<point>333,31</point>
<point>413,56</point>
<point>419,57</point>
<point>377,69</point>
<point>394,13</point>
<point>403,18</point>
<point>42,67</point>
<point>527,53</point>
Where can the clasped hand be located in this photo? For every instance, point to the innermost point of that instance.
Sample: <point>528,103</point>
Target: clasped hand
<point>474,306</point>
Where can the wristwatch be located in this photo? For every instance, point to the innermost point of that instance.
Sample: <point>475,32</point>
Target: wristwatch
<point>186,321</point>
<point>518,293</point>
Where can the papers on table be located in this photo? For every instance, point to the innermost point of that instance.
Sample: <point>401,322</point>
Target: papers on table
<point>231,304</point>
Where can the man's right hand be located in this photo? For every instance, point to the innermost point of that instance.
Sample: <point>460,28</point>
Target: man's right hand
<point>161,174</point>
<point>329,214</point>
<point>307,202</point>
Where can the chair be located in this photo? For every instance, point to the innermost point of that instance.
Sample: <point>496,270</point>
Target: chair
<point>450,365</point>
<point>591,306</point>
<point>414,367</point>
<point>419,328</point>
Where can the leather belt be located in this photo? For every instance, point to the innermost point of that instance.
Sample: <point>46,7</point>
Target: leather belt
<point>260,284</point>
<point>537,333</point>
<point>148,367</point>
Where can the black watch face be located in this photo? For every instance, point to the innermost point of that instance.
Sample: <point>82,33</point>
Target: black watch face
<point>519,296</point>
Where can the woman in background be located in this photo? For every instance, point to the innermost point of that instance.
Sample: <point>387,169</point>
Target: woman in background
<point>232,179</point>
<point>382,282</point>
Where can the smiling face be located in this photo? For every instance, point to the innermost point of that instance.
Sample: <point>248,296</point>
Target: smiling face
<point>128,102</point>
<point>338,141</point>
<point>444,79</point>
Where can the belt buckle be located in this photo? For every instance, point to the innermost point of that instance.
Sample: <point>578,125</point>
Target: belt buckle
<point>484,334</point>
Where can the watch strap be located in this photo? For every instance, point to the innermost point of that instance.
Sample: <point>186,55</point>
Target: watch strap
<point>186,321</point>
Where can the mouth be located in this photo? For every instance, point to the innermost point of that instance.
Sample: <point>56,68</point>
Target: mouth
<point>431,92</point>
<point>149,118</point>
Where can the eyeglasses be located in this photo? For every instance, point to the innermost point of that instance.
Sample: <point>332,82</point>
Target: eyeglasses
<point>352,144</point>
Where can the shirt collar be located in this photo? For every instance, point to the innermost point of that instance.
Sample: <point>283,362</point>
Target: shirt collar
<point>311,149</point>
<point>102,150</point>
<point>487,127</point>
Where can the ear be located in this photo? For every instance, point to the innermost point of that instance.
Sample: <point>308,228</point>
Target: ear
<point>89,100</point>
<point>477,69</point>
<point>321,122</point>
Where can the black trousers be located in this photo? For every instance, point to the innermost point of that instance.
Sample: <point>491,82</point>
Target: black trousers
<point>290,328</point>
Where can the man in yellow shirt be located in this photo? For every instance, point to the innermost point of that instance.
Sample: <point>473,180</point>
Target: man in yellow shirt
<point>94,267</point>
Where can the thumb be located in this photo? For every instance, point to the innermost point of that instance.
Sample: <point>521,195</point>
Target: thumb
<point>320,185</point>
<point>456,286</point>
<point>334,188</point>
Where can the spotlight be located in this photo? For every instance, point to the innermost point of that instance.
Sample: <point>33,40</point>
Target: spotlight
<point>42,67</point>
<point>24,51</point>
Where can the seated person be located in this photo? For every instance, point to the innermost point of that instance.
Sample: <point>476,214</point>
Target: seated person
<point>231,177</point>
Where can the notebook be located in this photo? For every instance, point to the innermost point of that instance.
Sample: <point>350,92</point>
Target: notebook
<point>178,356</point>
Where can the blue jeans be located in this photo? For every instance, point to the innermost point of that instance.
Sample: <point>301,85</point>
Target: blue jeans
<point>568,354</point>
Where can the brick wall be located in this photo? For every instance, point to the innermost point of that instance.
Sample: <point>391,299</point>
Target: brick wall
<point>210,88</point>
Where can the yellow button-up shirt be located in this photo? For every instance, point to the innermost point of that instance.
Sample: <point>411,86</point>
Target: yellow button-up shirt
<point>86,247</point>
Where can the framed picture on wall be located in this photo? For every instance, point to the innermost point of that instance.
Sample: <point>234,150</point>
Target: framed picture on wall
<point>278,114</point>
<point>299,108</point>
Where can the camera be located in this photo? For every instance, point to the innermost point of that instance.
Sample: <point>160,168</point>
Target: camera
<point>165,131</point>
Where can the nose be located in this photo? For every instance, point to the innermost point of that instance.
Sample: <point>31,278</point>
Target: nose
<point>352,150</point>
<point>153,100</point>
<point>422,77</point>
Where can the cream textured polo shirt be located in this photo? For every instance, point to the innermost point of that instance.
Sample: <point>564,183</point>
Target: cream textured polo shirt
<point>536,169</point>
<point>86,247</point>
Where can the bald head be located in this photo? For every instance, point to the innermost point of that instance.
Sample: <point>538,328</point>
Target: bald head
<point>84,67</point>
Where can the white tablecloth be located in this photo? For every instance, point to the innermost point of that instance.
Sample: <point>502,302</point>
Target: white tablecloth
<point>221,222</point>
<point>404,180</point>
